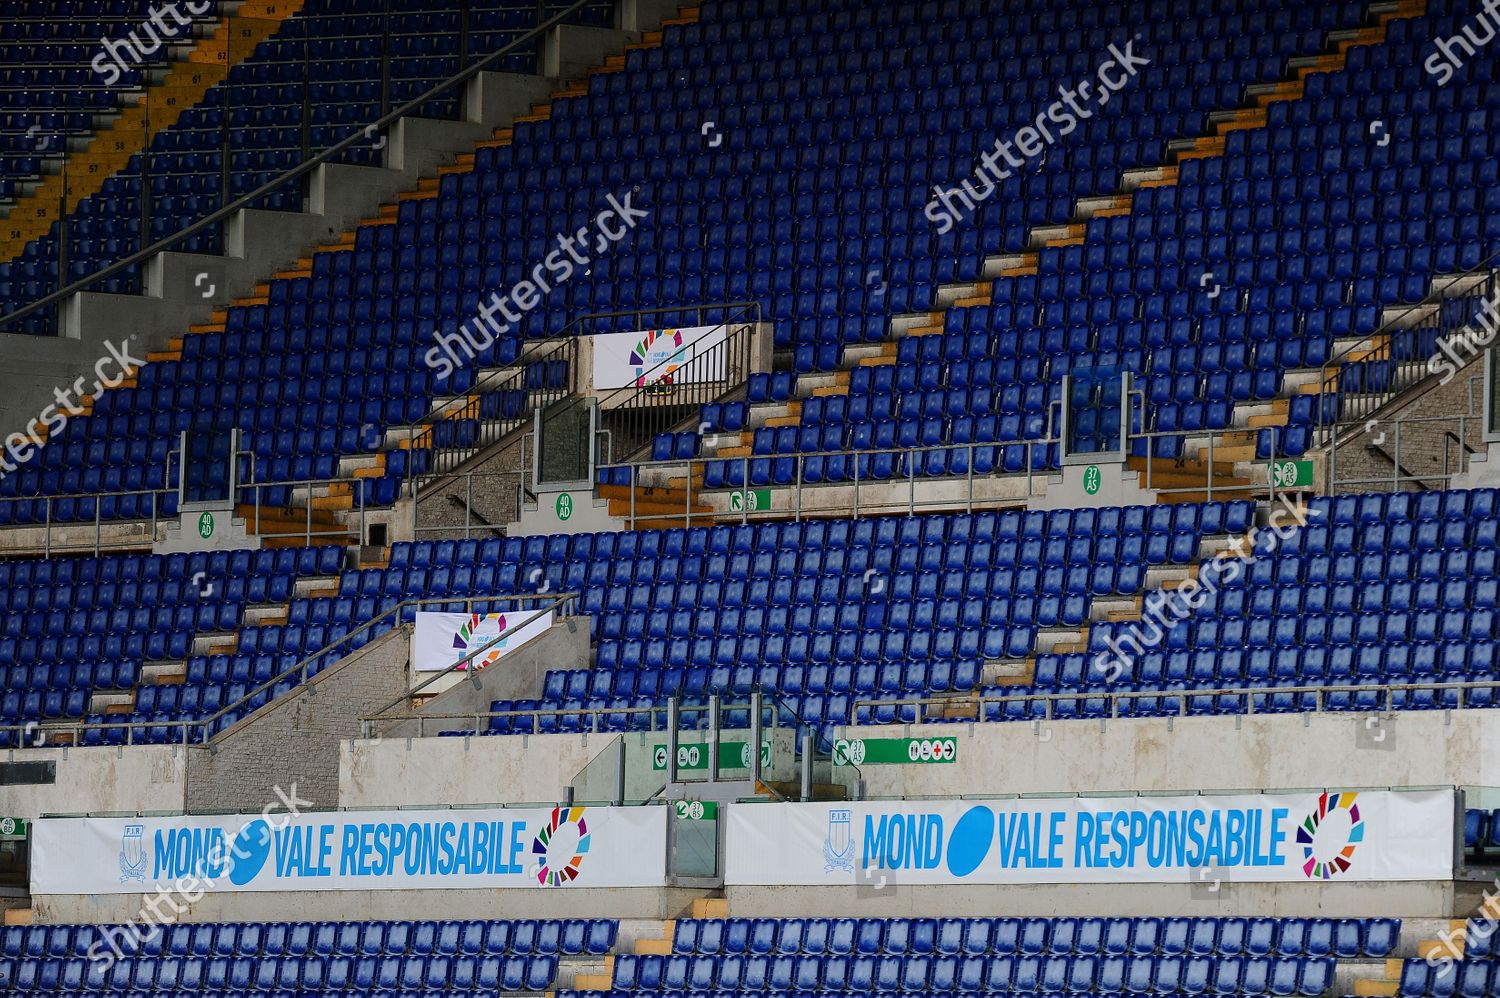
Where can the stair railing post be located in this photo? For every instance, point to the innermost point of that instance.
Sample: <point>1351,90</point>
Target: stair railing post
<point>756,735</point>
<point>62,230</point>
<point>807,763</point>
<point>146,171</point>
<point>463,34</point>
<point>673,709</point>
<point>541,41</point>
<point>306,89</point>
<point>228,110</point>
<point>713,738</point>
<point>385,60</point>
<point>1396,464</point>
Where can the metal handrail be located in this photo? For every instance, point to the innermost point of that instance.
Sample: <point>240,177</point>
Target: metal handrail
<point>1116,696</point>
<point>597,714</point>
<point>492,431</point>
<point>49,525</point>
<point>204,726</point>
<point>270,186</point>
<point>1329,371</point>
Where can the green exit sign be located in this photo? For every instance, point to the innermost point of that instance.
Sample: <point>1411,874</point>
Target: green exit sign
<point>755,501</point>
<point>697,810</point>
<point>895,751</point>
<point>732,755</point>
<point>1291,474</point>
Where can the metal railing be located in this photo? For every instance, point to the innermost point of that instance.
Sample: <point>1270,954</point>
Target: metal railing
<point>673,390</point>
<point>358,136</point>
<point>1401,441</point>
<point>201,731</point>
<point>869,493</point>
<point>496,406</point>
<point>257,514</point>
<point>1366,378</point>
<point>1180,695</point>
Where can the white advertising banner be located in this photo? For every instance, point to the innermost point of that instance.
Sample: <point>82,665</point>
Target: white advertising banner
<point>441,639</point>
<point>352,851</point>
<point>1260,838</point>
<point>659,356</point>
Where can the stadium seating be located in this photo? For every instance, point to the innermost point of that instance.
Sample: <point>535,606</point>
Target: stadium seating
<point>1481,829</point>
<point>324,62</point>
<point>348,958</point>
<point>1186,956</point>
<point>1473,976</point>
<point>357,329</point>
<point>73,627</point>
<point>1375,589</point>
<point>48,90</point>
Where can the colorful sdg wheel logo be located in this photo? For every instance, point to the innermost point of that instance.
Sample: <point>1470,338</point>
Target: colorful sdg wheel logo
<point>560,846</point>
<point>466,637</point>
<point>651,353</point>
<point>1329,836</point>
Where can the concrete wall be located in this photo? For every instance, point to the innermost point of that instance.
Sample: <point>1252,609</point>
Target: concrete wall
<point>319,906</point>
<point>523,769</point>
<point>416,772</point>
<point>95,780</point>
<point>1403,900</point>
<point>296,739</point>
<point>35,366</point>
<point>1253,752</point>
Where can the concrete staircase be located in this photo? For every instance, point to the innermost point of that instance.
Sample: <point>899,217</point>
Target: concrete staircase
<point>201,57</point>
<point>343,198</point>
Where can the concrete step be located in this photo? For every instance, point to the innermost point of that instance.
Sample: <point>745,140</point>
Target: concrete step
<point>710,908</point>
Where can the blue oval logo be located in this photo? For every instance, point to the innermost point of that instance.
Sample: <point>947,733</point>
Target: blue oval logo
<point>252,846</point>
<point>970,842</point>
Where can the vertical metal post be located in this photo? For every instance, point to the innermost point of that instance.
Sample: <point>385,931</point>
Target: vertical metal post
<point>620,775</point>
<point>228,109</point>
<point>385,60</point>
<point>62,231</point>
<point>672,719</point>
<point>541,41</point>
<point>755,737</point>
<point>713,738</point>
<point>146,171</point>
<point>1396,461</point>
<point>463,34</point>
<point>306,90</point>
<point>807,763</point>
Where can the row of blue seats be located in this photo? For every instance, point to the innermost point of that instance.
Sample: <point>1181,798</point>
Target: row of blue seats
<point>1462,979</point>
<point>214,565</point>
<point>1203,936</point>
<point>1233,517</point>
<point>569,937</point>
<point>315,974</point>
<point>893,974</point>
<point>1481,831</point>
